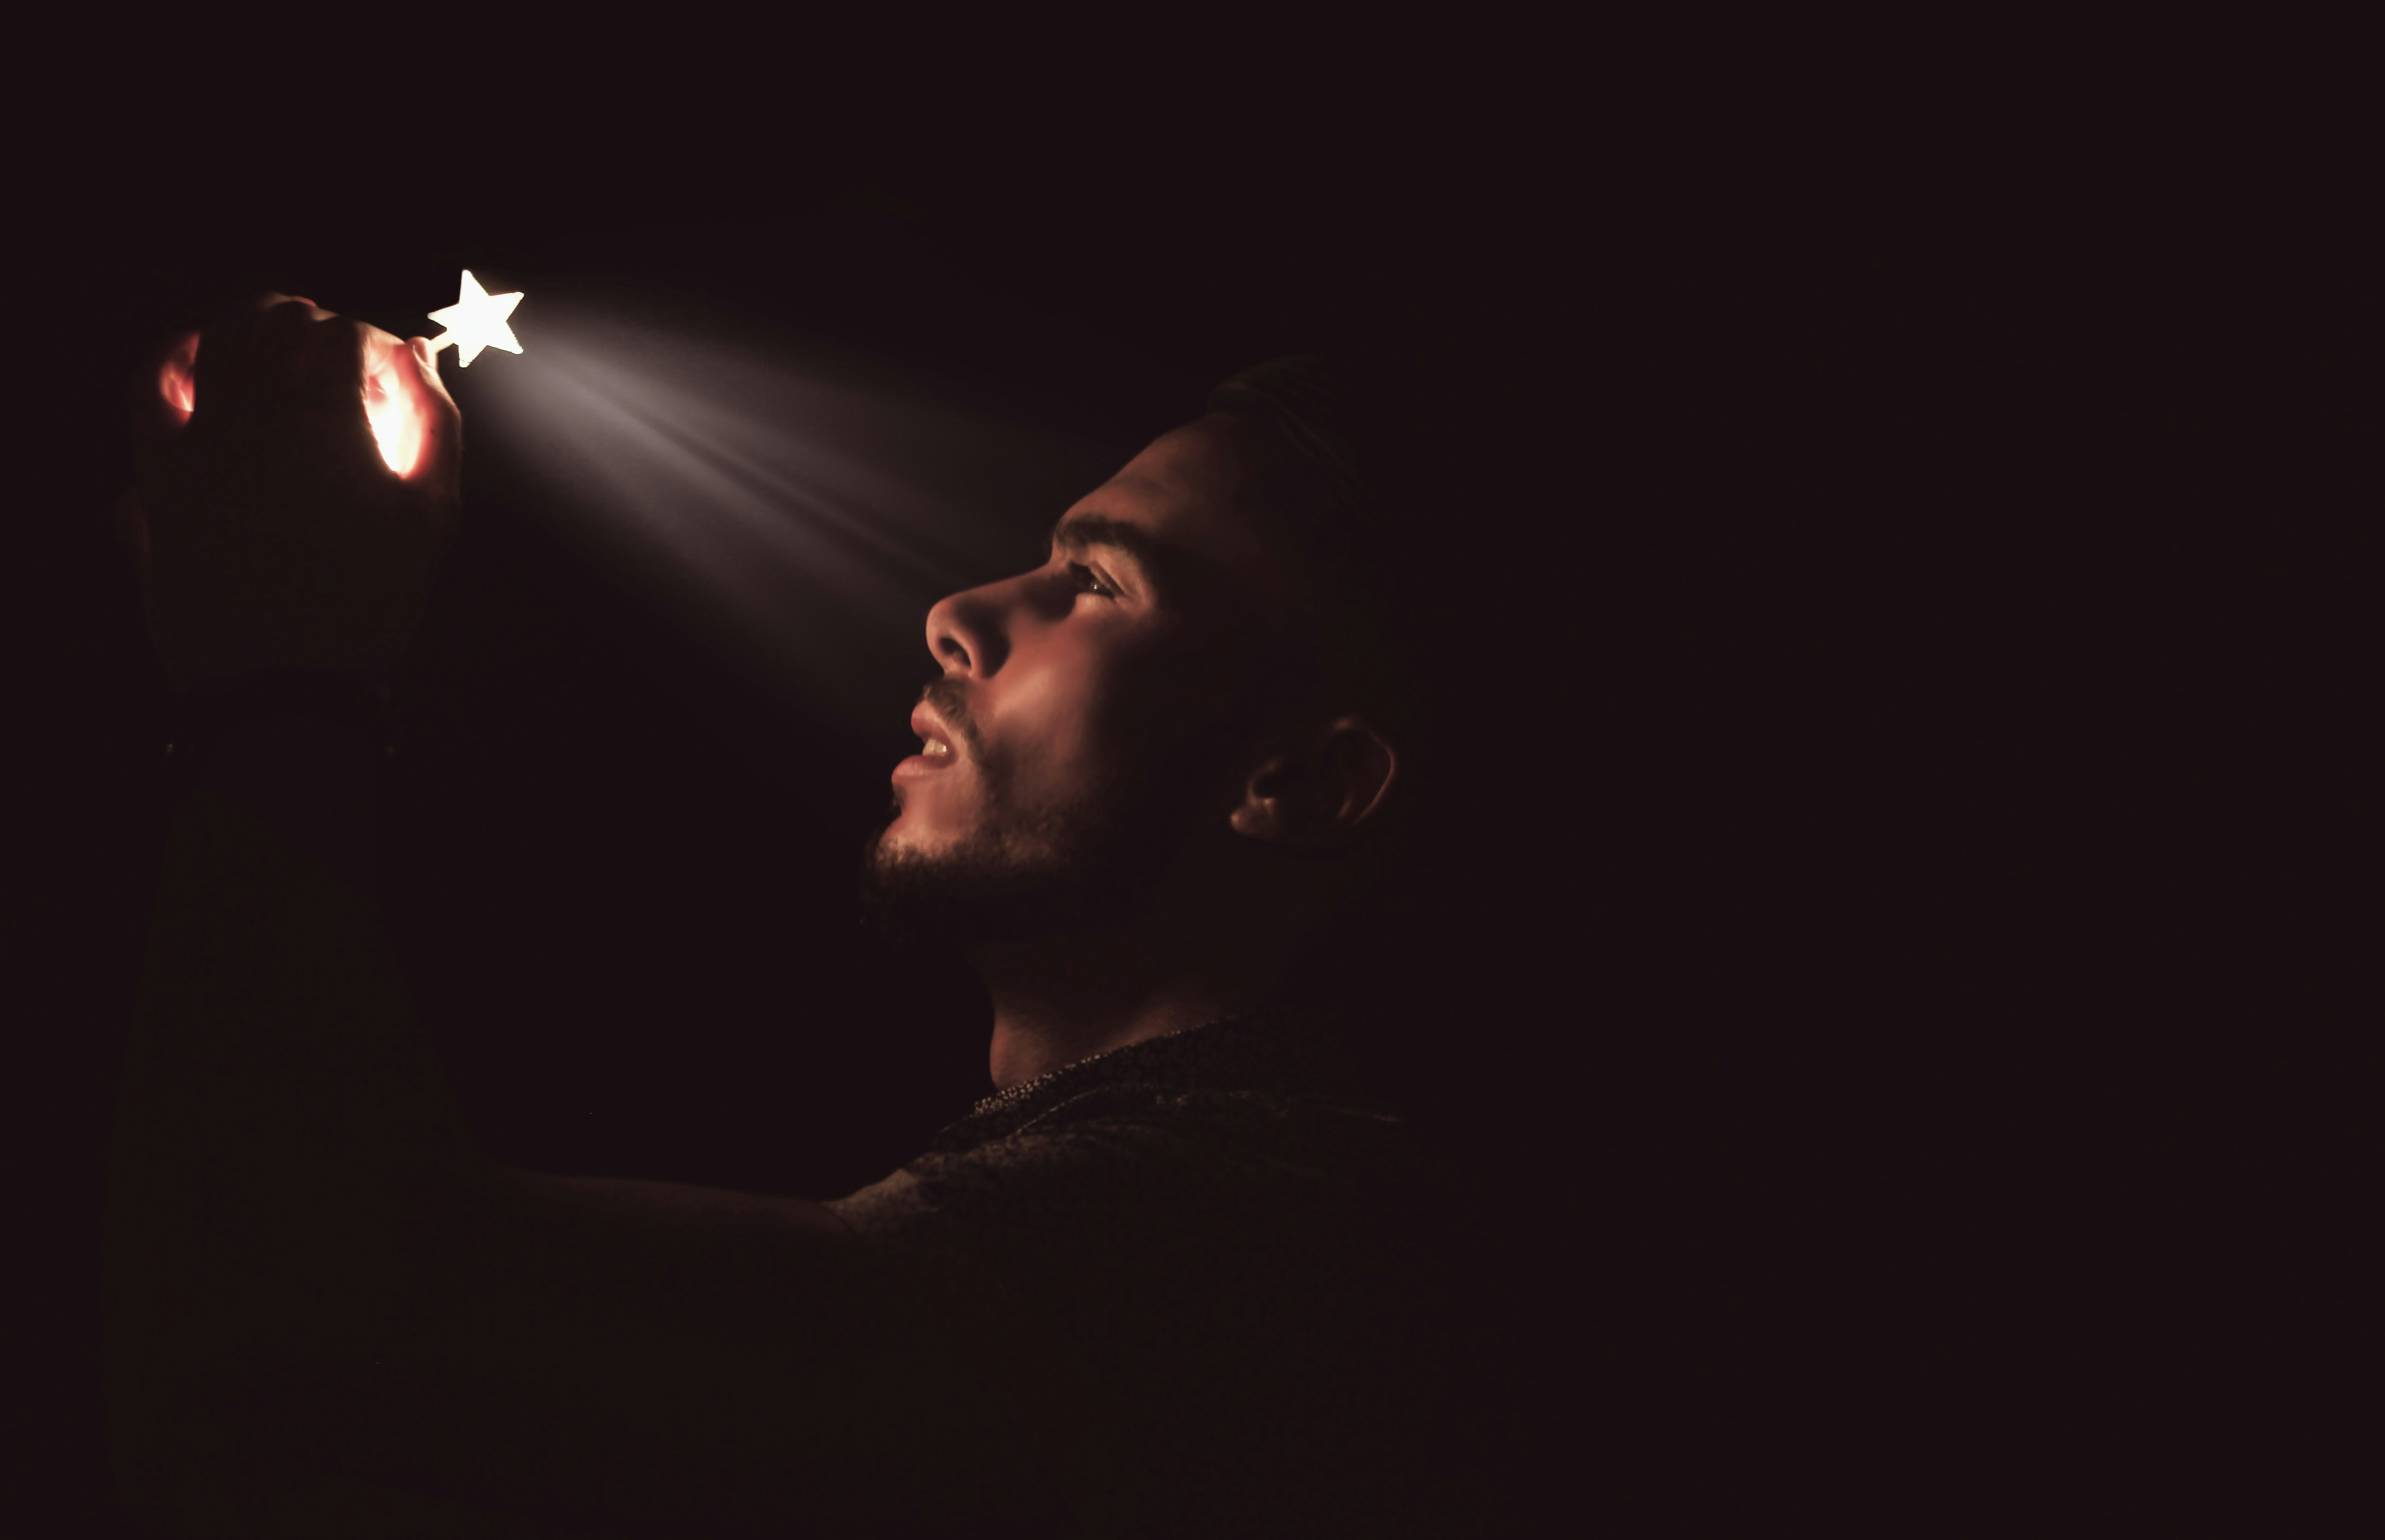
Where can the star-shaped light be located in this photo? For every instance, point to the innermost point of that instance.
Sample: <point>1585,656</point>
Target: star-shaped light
<point>475,320</point>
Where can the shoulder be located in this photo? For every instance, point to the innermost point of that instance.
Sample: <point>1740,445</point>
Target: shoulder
<point>1222,1294</point>
<point>1148,1144</point>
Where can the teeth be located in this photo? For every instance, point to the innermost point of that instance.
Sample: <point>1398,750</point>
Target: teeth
<point>937,750</point>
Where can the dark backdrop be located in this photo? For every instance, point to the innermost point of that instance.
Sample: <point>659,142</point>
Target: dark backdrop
<point>1913,594</point>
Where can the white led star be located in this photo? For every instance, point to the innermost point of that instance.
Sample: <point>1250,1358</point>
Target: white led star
<point>475,320</point>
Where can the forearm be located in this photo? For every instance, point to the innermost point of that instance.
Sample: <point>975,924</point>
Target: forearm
<point>316,1279</point>
<point>269,984</point>
<point>278,1116</point>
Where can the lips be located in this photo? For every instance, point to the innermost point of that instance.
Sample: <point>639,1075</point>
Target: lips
<point>939,739</point>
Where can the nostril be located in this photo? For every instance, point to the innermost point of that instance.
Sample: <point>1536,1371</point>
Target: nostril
<point>965,632</point>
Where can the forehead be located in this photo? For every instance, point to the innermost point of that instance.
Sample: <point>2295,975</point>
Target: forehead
<point>1201,490</point>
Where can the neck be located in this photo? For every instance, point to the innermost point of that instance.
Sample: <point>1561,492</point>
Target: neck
<point>1059,999</point>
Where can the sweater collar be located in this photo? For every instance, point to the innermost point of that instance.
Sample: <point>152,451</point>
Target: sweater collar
<point>1276,1051</point>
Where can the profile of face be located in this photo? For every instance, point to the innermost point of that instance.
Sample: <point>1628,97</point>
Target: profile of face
<point>1090,711</point>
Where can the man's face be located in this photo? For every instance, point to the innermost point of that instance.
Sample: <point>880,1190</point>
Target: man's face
<point>1086,712</point>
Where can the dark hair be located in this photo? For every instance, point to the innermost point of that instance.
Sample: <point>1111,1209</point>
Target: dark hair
<point>1371,534</point>
<point>1364,534</point>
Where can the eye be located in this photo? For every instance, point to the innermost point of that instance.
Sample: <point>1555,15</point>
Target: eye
<point>1089,581</point>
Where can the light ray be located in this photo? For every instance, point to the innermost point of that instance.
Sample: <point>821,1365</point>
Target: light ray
<point>802,522</point>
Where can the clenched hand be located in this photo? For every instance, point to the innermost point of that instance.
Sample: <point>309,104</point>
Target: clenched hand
<point>271,531</point>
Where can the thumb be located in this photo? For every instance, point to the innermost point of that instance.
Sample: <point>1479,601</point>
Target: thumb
<point>440,465</point>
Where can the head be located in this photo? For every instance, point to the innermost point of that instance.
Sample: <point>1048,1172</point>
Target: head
<point>1193,713</point>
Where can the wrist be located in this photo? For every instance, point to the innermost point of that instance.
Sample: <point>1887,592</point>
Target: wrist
<point>204,712</point>
<point>302,755</point>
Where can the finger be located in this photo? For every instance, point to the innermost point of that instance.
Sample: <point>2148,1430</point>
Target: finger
<point>223,367</point>
<point>305,355</point>
<point>228,345</point>
<point>426,373</point>
<point>326,358</point>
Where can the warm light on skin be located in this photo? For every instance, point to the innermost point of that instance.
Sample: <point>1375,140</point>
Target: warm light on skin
<point>175,382</point>
<point>475,320</point>
<point>1068,671</point>
<point>396,426</point>
<point>176,385</point>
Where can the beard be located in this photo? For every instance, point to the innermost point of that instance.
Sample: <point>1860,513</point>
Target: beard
<point>1078,868</point>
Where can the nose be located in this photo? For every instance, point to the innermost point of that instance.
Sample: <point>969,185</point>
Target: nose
<point>964,631</point>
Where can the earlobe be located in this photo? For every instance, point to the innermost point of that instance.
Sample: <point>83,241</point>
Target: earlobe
<point>1262,813</point>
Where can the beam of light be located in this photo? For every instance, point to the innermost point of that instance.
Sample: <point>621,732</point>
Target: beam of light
<point>475,320</point>
<point>802,522</point>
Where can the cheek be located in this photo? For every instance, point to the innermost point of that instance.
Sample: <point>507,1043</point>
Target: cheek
<point>1109,730</point>
<point>1086,707</point>
<point>1052,722</point>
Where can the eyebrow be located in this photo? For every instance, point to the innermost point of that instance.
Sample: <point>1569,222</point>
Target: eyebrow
<point>1172,569</point>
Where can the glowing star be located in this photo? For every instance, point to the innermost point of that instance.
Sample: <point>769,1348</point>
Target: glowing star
<point>475,320</point>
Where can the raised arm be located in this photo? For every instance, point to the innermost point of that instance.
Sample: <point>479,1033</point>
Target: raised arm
<point>315,1277</point>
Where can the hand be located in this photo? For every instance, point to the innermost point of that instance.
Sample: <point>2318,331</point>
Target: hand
<point>271,531</point>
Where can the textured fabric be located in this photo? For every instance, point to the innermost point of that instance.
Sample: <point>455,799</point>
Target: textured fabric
<point>1195,1279</point>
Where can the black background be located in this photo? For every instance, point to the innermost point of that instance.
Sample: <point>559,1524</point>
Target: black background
<point>1914,582</point>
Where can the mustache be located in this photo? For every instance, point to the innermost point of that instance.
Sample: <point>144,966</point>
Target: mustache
<point>952,704</point>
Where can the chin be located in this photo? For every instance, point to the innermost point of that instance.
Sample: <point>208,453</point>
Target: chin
<point>913,898</point>
<point>903,841</point>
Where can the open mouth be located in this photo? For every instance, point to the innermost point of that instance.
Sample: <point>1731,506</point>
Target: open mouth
<point>935,741</point>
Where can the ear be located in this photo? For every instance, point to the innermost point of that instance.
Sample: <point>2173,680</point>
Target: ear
<point>1323,791</point>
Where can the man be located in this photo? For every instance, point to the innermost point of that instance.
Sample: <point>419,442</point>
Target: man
<point>1175,1275</point>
